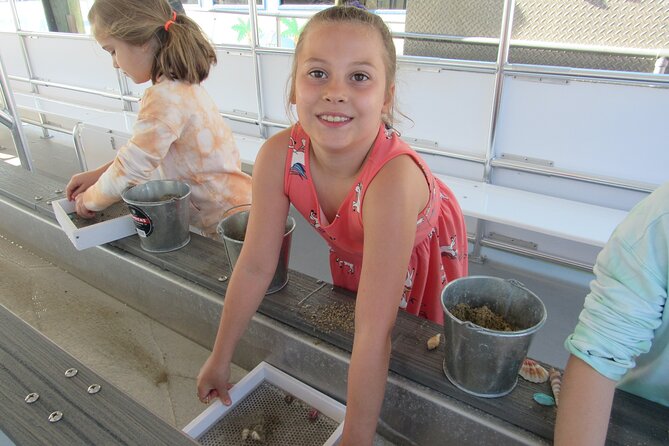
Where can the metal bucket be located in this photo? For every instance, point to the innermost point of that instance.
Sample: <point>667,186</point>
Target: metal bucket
<point>232,230</point>
<point>160,210</point>
<point>481,361</point>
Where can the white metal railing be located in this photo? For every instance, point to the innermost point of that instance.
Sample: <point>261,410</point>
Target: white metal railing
<point>12,121</point>
<point>498,68</point>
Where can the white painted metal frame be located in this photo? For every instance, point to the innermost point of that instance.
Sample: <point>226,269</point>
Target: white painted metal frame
<point>10,118</point>
<point>264,372</point>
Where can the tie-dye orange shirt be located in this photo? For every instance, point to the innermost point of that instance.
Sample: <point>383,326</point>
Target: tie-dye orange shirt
<point>180,132</point>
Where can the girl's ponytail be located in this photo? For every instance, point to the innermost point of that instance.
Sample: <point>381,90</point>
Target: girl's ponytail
<point>182,51</point>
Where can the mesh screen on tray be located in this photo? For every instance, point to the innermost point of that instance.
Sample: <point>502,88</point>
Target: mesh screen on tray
<point>270,416</point>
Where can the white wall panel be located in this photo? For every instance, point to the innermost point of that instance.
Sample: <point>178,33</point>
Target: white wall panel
<point>232,84</point>
<point>274,74</point>
<point>601,129</point>
<point>12,55</point>
<point>72,61</point>
<point>20,86</point>
<point>451,108</point>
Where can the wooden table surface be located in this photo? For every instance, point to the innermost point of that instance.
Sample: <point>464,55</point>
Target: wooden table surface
<point>31,363</point>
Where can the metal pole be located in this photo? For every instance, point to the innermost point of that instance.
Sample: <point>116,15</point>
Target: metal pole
<point>253,15</point>
<point>502,60</point>
<point>17,131</point>
<point>26,61</point>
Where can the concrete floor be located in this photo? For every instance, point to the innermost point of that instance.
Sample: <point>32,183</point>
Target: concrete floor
<point>148,361</point>
<point>153,364</point>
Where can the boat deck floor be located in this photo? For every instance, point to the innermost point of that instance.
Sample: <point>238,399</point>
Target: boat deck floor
<point>153,364</point>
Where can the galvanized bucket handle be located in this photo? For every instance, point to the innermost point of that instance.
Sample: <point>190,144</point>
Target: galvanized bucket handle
<point>220,233</point>
<point>235,207</point>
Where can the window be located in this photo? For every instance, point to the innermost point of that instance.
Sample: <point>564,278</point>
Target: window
<point>369,4</point>
<point>234,2</point>
<point>620,35</point>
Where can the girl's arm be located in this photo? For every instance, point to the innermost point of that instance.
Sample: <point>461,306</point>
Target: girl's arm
<point>255,266</point>
<point>585,406</point>
<point>159,123</point>
<point>82,181</point>
<point>390,210</point>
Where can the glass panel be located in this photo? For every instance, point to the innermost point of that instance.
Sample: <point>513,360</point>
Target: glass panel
<point>283,31</point>
<point>290,29</point>
<point>6,20</point>
<point>307,2</point>
<point>479,21</point>
<point>369,4</point>
<point>31,16</point>
<point>235,2</point>
<point>223,27</point>
<point>597,34</point>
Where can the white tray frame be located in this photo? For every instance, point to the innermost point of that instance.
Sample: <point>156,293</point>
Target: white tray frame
<point>264,372</point>
<point>93,235</point>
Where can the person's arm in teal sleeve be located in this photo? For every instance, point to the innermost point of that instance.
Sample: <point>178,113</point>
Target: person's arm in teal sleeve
<point>623,309</point>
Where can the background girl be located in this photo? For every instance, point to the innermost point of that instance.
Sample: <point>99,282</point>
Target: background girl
<point>396,233</point>
<point>179,129</point>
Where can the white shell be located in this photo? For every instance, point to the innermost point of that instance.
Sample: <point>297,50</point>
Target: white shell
<point>533,371</point>
<point>556,384</point>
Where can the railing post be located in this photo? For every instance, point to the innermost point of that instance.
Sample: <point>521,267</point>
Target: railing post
<point>15,122</point>
<point>502,59</point>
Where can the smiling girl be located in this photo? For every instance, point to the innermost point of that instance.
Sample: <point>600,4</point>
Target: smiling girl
<point>396,233</point>
<point>179,132</point>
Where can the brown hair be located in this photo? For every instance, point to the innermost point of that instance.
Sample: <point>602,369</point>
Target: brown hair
<point>352,14</point>
<point>183,52</point>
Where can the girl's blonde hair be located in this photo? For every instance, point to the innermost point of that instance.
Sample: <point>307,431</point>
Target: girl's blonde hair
<point>183,52</point>
<point>355,15</point>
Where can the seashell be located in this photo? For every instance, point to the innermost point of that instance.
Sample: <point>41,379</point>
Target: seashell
<point>312,415</point>
<point>245,433</point>
<point>258,433</point>
<point>532,371</point>
<point>556,384</point>
<point>434,342</point>
<point>543,399</point>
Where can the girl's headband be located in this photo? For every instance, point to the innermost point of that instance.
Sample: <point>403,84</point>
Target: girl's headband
<point>171,21</point>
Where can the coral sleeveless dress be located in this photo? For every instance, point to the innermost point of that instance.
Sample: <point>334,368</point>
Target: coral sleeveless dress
<point>440,248</point>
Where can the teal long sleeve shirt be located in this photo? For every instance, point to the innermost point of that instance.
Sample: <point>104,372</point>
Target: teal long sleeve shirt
<point>623,330</point>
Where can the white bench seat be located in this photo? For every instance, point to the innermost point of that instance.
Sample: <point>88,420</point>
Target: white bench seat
<point>566,219</point>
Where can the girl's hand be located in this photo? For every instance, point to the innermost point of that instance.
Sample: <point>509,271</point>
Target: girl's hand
<point>80,182</point>
<point>213,381</point>
<point>82,210</point>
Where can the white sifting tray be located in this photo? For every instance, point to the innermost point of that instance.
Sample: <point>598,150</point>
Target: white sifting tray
<point>95,234</point>
<point>282,405</point>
